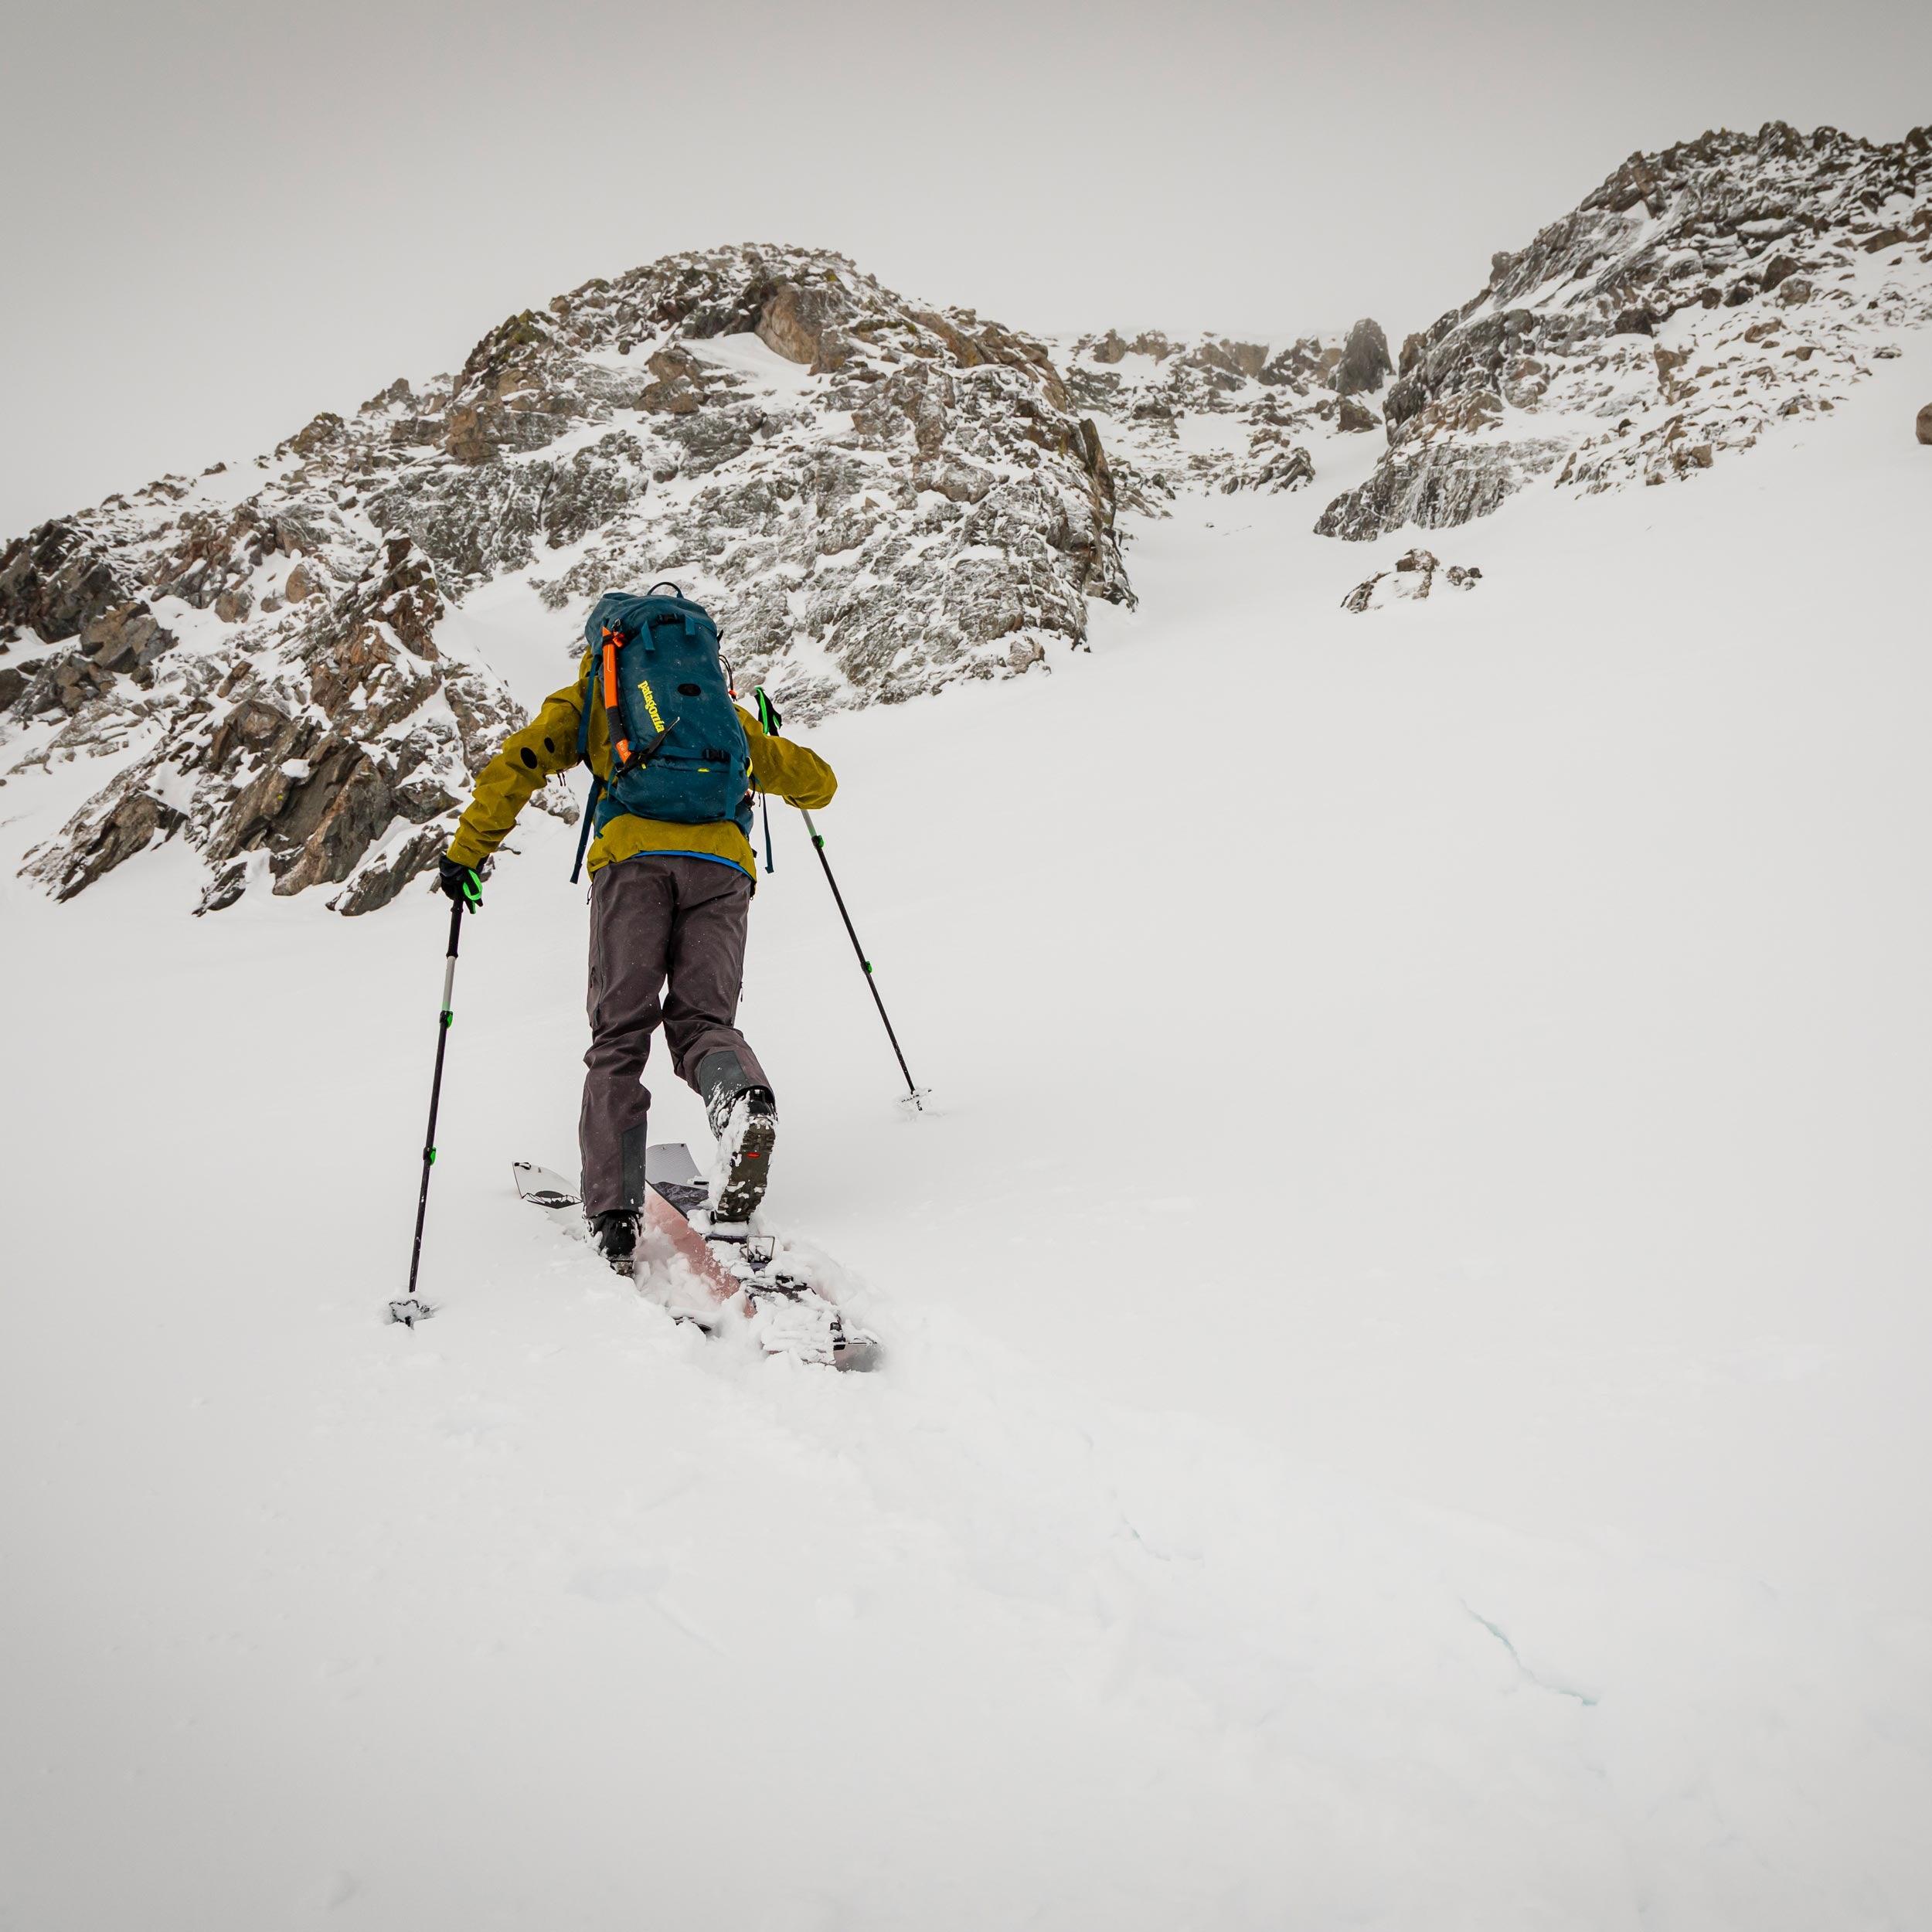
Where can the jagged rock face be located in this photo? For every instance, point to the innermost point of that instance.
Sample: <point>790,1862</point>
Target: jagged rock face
<point>1695,299</point>
<point>1365,364</point>
<point>1416,572</point>
<point>875,499</point>
<point>914,500</point>
<point>309,753</point>
<point>1209,414</point>
<point>58,579</point>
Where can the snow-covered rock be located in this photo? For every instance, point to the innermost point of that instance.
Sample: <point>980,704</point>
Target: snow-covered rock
<point>877,500</point>
<point>1207,413</point>
<point>1695,299</point>
<point>1412,578</point>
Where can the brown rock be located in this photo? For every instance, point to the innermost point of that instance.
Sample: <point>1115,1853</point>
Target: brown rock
<point>136,821</point>
<point>678,390</point>
<point>465,438</point>
<point>125,637</point>
<point>377,885</point>
<point>251,725</point>
<point>1353,417</point>
<point>232,606</point>
<point>1237,359</point>
<point>1925,424</point>
<point>302,584</point>
<point>56,580</point>
<point>315,436</point>
<point>800,324</point>
<point>338,813</point>
<point>65,683</point>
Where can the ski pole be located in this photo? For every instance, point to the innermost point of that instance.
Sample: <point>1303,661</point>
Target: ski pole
<point>409,1312</point>
<point>768,723</point>
<point>913,1094</point>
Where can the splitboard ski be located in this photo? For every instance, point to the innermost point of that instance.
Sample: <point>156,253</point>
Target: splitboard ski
<point>730,1270</point>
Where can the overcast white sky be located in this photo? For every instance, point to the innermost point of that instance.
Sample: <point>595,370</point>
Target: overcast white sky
<point>223,217</point>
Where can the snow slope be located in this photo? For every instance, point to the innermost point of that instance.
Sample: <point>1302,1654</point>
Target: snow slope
<point>1408,1400</point>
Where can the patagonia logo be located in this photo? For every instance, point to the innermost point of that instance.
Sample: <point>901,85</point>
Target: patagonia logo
<point>651,704</point>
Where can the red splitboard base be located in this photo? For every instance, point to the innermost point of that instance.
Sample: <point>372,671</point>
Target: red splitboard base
<point>661,1216</point>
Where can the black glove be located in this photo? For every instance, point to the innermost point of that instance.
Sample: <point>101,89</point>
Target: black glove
<point>463,883</point>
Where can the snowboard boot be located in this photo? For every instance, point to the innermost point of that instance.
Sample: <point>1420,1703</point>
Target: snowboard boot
<point>615,1232</point>
<point>745,1118</point>
<point>744,1154</point>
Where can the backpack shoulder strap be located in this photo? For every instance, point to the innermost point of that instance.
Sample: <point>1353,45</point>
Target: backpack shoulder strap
<point>584,758</point>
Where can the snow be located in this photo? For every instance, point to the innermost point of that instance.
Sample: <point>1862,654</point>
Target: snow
<point>1513,1518</point>
<point>747,355</point>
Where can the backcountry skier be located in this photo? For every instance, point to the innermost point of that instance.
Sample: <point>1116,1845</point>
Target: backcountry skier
<point>674,763</point>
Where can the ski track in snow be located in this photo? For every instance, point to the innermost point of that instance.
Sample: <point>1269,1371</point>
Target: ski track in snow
<point>1517,1522</point>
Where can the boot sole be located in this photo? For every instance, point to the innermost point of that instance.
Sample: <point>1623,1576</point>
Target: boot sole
<point>744,1186</point>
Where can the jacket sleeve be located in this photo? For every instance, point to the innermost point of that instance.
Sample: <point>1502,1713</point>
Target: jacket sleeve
<point>787,770</point>
<point>545,746</point>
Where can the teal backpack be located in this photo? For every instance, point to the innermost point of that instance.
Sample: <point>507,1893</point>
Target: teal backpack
<point>678,750</point>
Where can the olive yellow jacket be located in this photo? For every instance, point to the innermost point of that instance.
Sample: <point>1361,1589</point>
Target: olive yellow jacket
<point>547,745</point>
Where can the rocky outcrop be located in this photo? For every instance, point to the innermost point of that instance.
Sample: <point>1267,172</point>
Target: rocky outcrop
<point>877,498</point>
<point>332,753</point>
<point>1209,414</point>
<point>1416,573</point>
<point>1695,299</point>
<point>58,579</point>
<point>1365,365</point>
<point>921,501</point>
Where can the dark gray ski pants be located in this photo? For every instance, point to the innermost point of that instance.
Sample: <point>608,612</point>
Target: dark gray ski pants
<point>655,917</point>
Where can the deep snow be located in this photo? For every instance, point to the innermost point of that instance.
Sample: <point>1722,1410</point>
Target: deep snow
<point>1408,1404</point>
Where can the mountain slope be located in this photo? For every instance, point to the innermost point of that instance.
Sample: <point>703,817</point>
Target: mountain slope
<point>1515,1522</point>
<point>877,499</point>
<point>1695,299</point>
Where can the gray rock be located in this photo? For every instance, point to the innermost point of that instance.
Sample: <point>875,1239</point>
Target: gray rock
<point>58,579</point>
<point>379,884</point>
<point>1415,575</point>
<point>125,637</point>
<point>1438,487</point>
<point>135,822</point>
<point>1365,365</point>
